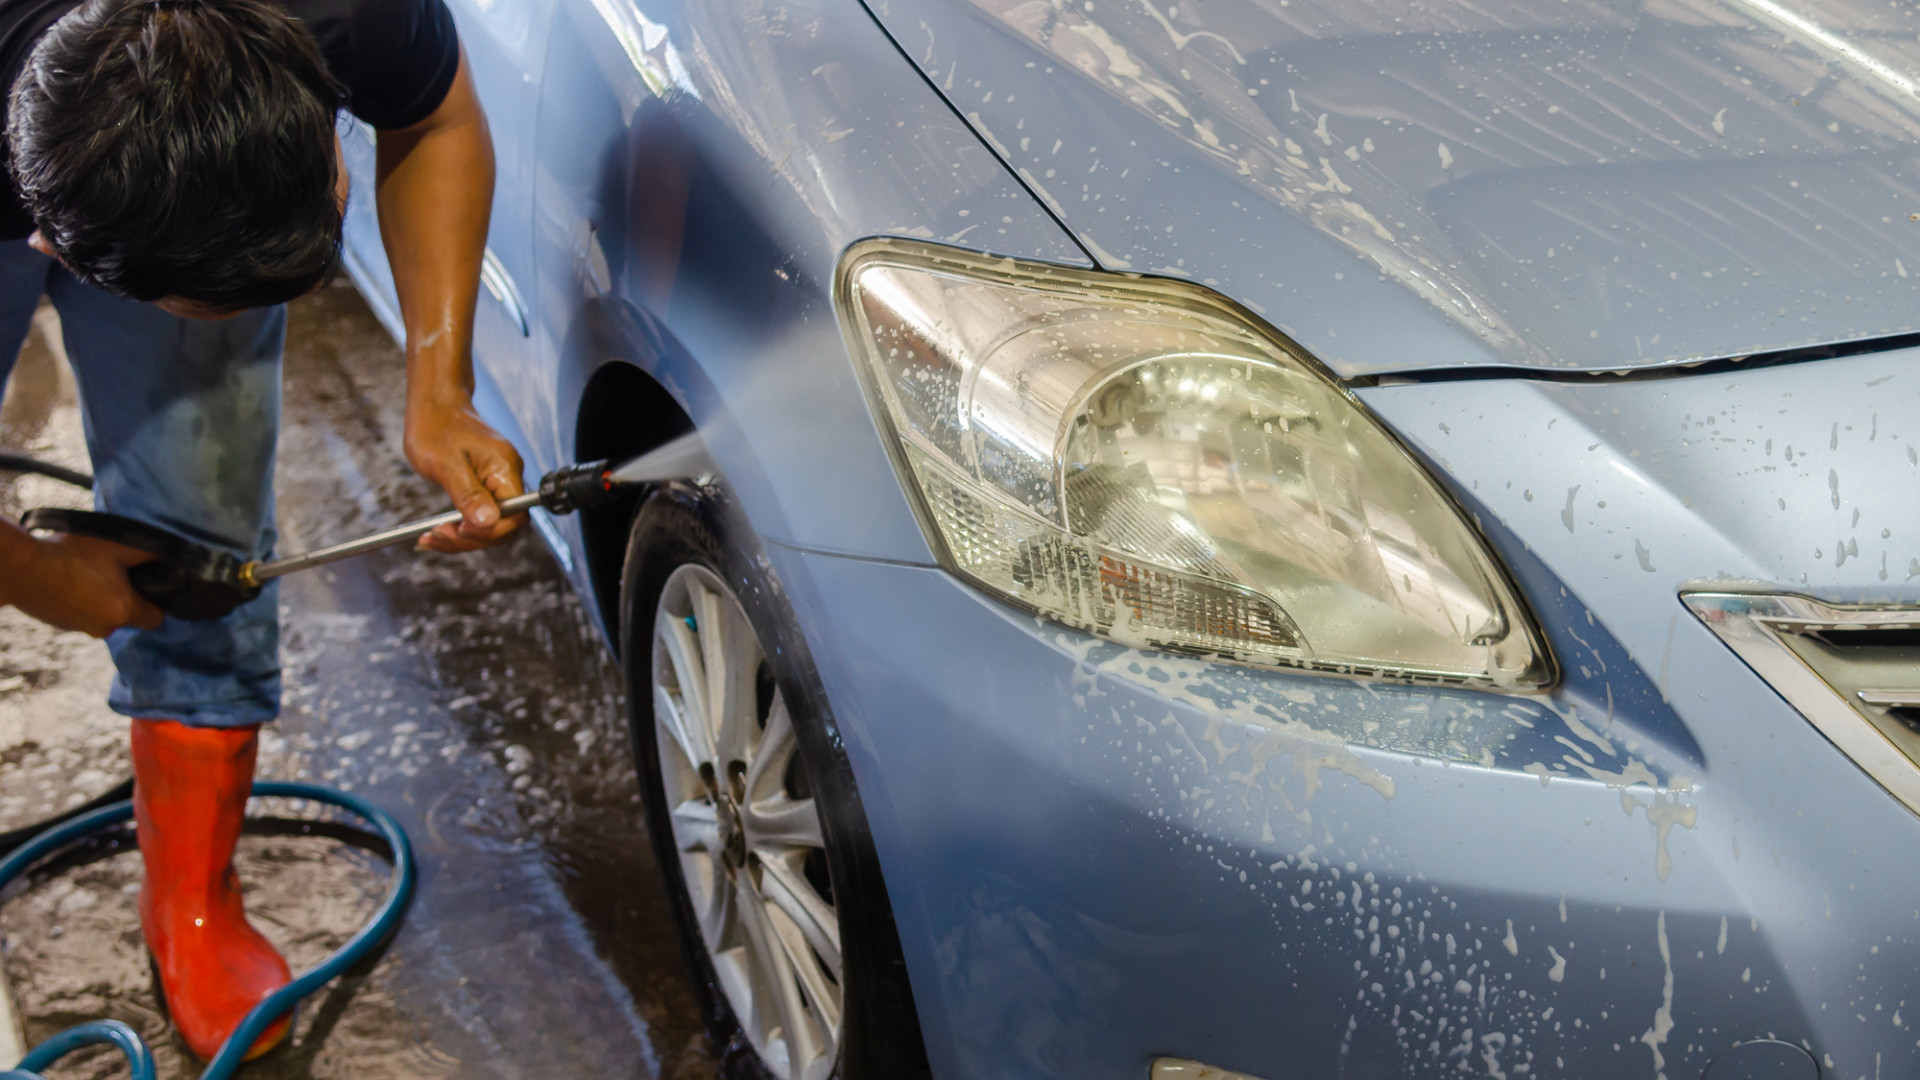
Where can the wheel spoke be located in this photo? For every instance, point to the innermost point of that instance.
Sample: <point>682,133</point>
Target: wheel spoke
<point>760,951</point>
<point>785,887</point>
<point>781,822</point>
<point>778,980</point>
<point>814,1030</point>
<point>715,663</point>
<point>696,827</point>
<point>769,761</point>
<point>684,653</point>
<point>731,655</point>
<point>670,717</point>
<point>720,914</point>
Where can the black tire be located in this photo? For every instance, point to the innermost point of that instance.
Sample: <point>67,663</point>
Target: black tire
<point>880,1031</point>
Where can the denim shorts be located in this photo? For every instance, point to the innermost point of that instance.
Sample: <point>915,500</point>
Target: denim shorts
<point>181,418</point>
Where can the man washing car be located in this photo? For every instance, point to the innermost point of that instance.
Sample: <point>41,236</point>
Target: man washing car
<point>175,180</point>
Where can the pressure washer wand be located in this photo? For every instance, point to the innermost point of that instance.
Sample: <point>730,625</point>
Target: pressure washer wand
<point>561,491</point>
<point>193,581</point>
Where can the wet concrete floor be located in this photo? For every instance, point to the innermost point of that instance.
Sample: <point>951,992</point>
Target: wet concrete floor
<point>468,695</point>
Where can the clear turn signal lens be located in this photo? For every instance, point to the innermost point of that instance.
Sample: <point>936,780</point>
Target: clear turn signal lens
<point>1138,458</point>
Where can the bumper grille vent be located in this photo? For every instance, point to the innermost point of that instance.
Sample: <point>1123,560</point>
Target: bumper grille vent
<point>1852,671</point>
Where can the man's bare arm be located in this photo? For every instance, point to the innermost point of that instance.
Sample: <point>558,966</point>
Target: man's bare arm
<point>435,192</point>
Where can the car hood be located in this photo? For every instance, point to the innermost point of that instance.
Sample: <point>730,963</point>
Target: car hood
<point>1564,184</point>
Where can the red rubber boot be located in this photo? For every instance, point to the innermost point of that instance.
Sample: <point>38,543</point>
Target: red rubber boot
<point>189,796</point>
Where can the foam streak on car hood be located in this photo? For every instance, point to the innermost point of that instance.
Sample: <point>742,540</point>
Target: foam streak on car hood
<point>1587,184</point>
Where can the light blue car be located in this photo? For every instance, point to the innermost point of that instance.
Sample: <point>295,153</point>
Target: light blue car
<point>1267,538</point>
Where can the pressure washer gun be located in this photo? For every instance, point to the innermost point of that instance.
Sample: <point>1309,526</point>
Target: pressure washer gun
<point>195,582</point>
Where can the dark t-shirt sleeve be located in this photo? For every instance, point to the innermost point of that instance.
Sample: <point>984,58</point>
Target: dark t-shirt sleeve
<point>397,60</point>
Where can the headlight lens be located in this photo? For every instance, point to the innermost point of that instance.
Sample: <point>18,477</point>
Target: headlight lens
<point>1137,458</point>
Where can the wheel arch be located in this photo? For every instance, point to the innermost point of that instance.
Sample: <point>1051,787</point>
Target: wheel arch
<point>624,412</point>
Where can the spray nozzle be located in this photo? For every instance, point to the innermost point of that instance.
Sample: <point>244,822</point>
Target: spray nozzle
<point>577,487</point>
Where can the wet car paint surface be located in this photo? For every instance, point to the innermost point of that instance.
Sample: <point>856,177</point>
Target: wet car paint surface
<point>1409,186</point>
<point>1629,876</point>
<point>469,696</point>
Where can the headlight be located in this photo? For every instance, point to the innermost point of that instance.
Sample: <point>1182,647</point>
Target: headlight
<point>1139,458</point>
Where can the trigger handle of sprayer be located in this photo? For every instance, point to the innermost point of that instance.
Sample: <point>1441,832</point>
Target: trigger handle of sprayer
<point>185,579</point>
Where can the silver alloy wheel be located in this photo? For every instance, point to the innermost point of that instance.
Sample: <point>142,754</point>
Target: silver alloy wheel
<point>744,822</point>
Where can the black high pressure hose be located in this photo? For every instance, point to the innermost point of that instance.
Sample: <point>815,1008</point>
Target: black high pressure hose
<point>21,463</point>
<point>10,841</point>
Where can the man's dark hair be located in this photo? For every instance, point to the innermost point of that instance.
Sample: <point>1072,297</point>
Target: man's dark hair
<point>183,148</point>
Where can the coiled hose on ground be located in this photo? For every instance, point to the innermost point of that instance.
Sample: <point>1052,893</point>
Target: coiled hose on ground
<point>22,848</point>
<point>280,1002</point>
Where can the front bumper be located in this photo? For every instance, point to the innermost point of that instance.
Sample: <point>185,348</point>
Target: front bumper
<point>1098,856</point>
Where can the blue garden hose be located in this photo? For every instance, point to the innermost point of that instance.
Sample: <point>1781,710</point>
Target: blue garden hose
<point>275,1005</point>
<point>96,1033</point>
